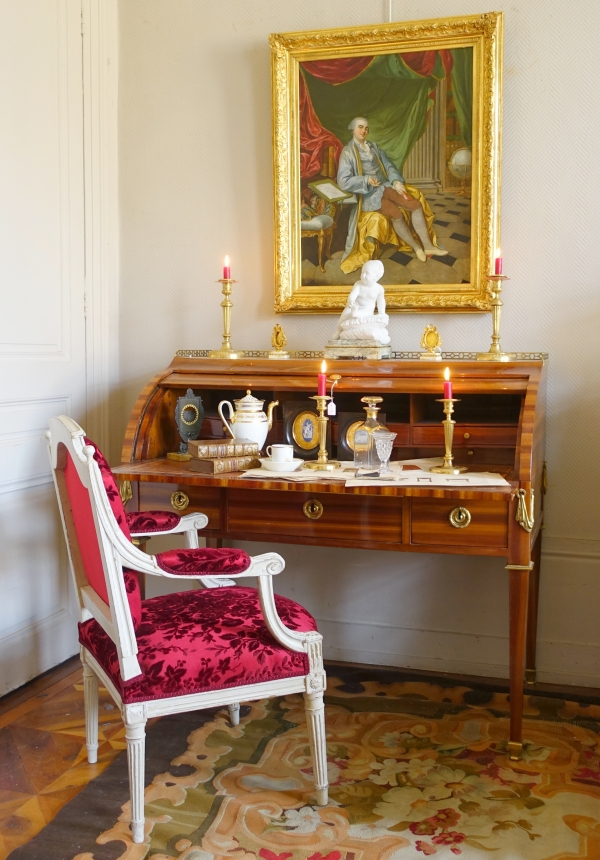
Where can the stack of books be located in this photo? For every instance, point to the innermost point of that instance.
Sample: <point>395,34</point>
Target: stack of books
<point>216,456</point>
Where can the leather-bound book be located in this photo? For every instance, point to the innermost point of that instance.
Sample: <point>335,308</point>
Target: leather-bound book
<point>210,449</point>
<point>223,464</point>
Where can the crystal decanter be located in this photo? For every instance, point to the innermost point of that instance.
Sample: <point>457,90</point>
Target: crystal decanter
<point>365,451</point>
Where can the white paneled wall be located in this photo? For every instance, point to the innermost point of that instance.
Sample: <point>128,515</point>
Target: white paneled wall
<point>195,162</point>
<point>42,325</point>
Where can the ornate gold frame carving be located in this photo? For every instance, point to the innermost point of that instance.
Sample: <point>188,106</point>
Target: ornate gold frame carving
<point>481,32</point>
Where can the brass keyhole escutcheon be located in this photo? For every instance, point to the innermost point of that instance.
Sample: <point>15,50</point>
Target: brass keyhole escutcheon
<point>180,501</point>
<point>459,518</point>
<point>313,509</point>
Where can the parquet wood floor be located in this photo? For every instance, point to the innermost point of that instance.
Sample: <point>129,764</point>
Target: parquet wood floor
<point>43,759</point>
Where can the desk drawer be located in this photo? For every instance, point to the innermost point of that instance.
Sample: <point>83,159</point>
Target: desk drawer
<point>431,526</point>
<point>465,435</point>
<point>205,500</point>
<point>351,518</point>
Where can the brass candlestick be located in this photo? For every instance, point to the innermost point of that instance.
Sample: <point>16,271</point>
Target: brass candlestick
<point>448,424</point>
<point>495,353</point>
<point>322,462</point>
<point>226,351</point>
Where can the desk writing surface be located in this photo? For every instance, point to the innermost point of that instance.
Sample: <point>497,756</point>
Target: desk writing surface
<point>164,471</point>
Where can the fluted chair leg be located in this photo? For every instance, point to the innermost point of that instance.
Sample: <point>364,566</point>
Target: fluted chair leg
<point>315,721</point>
<point>234,714</point>
<point>90,696</point>
<point>135,735</point>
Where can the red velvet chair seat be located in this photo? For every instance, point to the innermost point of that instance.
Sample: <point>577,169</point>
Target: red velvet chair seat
<point>195,641</point>
<point>148,522</point>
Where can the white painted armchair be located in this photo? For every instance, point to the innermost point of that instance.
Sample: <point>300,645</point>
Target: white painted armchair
<point>197,665</point>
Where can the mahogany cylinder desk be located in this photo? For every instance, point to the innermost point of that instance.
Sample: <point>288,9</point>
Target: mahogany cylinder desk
<point>500,427</point>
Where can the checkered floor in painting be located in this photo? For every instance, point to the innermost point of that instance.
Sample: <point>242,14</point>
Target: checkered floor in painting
<point>452,227</point>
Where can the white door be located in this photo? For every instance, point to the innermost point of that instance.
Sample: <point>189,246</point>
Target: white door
<point>42,325</point>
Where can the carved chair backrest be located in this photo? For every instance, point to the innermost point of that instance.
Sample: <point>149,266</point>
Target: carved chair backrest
<point>93,537</point>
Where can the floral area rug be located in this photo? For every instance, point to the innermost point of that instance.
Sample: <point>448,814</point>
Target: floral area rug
<point>416,770</point>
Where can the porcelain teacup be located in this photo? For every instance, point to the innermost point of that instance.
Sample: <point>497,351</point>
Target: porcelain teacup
<point>280,453</point>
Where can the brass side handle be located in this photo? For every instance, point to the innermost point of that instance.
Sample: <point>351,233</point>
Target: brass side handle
<point>524,515</point>
<point>459,518</point>
<point>313,509</point>
<point>180,500</point>
<point>125,491</point>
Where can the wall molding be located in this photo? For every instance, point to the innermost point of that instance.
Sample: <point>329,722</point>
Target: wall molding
<point>566,547</point>
<point>37,647</point>
<point>23,451</point>
<point>100,45</point>
<point>560,660</point>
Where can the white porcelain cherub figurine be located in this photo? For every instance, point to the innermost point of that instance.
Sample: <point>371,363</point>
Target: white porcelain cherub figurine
<point>358,320</point>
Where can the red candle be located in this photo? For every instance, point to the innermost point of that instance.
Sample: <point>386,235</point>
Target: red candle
<point>322,381</point>
<point>447,385</point>
<point>226,269</point>
<point>498,266</point>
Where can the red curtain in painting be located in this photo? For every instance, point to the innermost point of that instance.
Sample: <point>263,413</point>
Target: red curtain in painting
<point>313,137</point>
<point>423,62</point>
<point>337,71</point>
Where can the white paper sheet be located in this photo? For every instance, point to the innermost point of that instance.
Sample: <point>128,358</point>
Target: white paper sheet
<point>331,191</point>
<point>300,476</point>
<point>419,478</point>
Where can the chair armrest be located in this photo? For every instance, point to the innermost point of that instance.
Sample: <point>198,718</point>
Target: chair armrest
<point>190,522</point>
<point>308,641</point>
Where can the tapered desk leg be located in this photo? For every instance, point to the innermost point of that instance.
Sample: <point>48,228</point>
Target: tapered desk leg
<point>532,611</point>
<point>518,590</point>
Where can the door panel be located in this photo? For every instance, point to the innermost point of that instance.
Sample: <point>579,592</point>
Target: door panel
<point>42,326</point>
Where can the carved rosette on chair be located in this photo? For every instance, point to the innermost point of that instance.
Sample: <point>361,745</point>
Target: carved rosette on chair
<point>276,649</point>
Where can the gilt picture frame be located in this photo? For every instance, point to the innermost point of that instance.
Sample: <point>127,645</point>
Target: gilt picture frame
<point>387,144</point>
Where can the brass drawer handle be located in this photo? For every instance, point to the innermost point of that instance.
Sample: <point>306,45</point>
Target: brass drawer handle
<point>180,501</point>
<point>313,509</point>
<point>459,518</point>
<point>467,435</point>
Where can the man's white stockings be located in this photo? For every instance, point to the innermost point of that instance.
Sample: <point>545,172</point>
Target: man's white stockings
<point>403,230</point>
<point>420,225</point>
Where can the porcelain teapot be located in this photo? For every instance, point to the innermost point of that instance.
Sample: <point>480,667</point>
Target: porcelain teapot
<point>248,421</point>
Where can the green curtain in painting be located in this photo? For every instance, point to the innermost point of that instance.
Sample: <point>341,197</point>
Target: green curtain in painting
<point>393,97</point>
<point>462,90</point>
<point>394,93</point>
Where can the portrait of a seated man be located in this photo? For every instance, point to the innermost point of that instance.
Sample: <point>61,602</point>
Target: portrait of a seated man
<point>387,211</point>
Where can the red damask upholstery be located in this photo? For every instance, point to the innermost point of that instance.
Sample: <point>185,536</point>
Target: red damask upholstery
<point>196,562</point>
<point>192,562</point>
<point>110,485</point>
<point>85,529</point>
<point>134,596</point>
<point>147,522</point>
<point>196,641</point>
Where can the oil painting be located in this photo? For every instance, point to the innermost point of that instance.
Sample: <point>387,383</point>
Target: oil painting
<point>392,154</point>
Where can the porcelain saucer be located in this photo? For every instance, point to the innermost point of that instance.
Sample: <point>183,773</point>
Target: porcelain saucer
<point>287,466</point>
